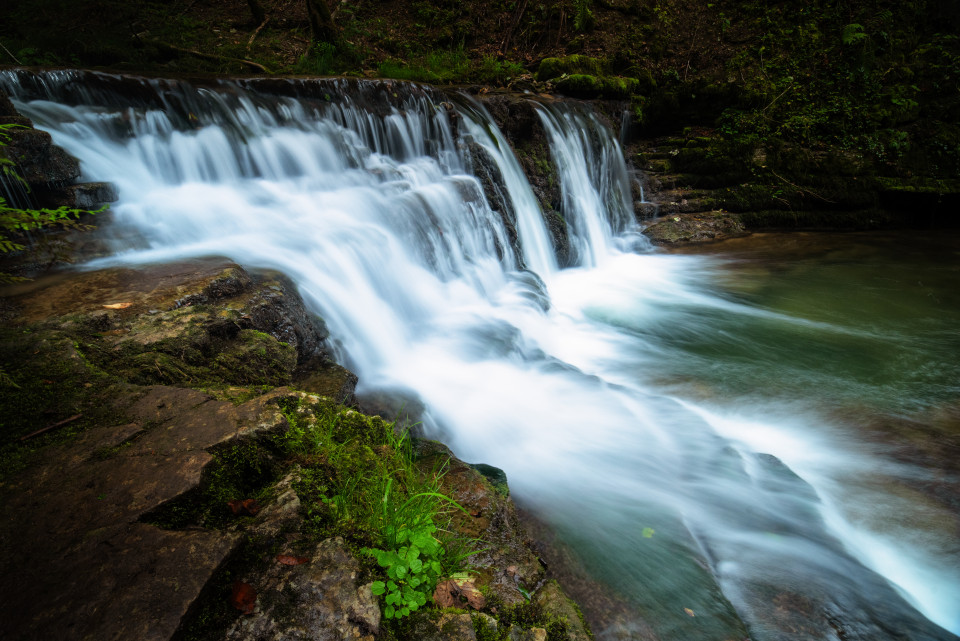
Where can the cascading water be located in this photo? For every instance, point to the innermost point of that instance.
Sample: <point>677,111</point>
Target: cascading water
<point>697,514</point>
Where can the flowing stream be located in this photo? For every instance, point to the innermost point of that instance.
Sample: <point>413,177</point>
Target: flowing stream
<point>718,439</point>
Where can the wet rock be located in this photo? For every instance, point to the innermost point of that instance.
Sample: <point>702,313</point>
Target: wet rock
<point>491,181</point>
<point>231,281</point>
<point>695,228</point>
<point>320,600</point>
<point>452,627</point>
<point>506,564</point>
<point>326,378</point>
<point>517,117</point>
<point>554,602</point>
<point>87,195</point>
<point>190,324</point>
<point>645,210</point>
<point>399,404</point>
<point>278,310</point>
<point>532,634</point>
<point>496,477</point>
<point>38,161</point>
<point>280,515</point>
<point>82,566</point>
<point>9,114</point>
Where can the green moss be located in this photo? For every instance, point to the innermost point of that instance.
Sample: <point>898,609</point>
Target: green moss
<point>850,220</point>
<point>576,64</point>
<point>240,470</point>
<point>521,616</point>
<point>49,381</point>
<point>199,355</point>
<point>713,167</point>
<point>590,86</point>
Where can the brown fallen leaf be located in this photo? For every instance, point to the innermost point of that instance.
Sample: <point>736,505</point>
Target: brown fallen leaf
<point>453,592</point>
<point>243,597</point>
<point>246,507</point>
<point>286,559</point>
<point>118,306</point>
<point>447,594</point>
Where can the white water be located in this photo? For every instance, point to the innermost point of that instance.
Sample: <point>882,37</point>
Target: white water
<point>389,237</point>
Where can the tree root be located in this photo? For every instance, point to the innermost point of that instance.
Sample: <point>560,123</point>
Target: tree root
<point>210,56</point>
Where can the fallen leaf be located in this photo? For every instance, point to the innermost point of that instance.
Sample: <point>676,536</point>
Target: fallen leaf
<point>452,592</point>
<point>648,532</point>
<point>474,597</point>
<point>243,597</point>
<point>689,612</point>
<point>118,306</point>
<point>286,559</point>
<point>446,594</point>
<point>246,507</point>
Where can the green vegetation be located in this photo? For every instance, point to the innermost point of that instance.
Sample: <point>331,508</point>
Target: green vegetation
<point>360,478</point>
<point>240,471</point>
<point>47,383</point>
<point>521,616</point>
<point>15,223</point>
<point>412,558</point>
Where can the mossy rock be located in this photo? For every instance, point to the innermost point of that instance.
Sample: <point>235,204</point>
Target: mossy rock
<point>822,219</point>
<point>695,228</point>
<point>591,86</point>
<point>551,68</point>
<point>707,161</point>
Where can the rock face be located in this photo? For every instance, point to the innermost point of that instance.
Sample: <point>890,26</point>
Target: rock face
<point>47,170</point>
<point>77,563</point>
<point>191,322</point>
<point>505,565</point>
<point>517,118</point>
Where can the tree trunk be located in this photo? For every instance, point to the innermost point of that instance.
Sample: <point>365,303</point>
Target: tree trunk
<point>322,28</point>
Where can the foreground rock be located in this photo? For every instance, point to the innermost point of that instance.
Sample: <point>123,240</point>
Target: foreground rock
<point>151,407</point>
<point>76,560</point>
<point>76,563</point>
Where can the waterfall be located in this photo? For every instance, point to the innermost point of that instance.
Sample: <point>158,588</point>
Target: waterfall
<point>364,193</point>
<point>593,181</point>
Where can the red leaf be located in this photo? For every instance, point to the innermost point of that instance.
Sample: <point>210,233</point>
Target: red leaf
<point>286,559</point>
<point>244,597</point>
<point>246,507</point>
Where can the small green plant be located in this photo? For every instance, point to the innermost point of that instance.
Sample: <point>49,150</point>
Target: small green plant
<point>360,477</point>
<point>413,558</point>
<point>413,568</point>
